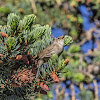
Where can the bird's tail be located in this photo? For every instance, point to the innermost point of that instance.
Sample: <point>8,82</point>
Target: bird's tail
<point>38,73</point>
<point>39,64</point>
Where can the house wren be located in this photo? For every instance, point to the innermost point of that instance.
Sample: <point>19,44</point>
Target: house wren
<point>55,48</point>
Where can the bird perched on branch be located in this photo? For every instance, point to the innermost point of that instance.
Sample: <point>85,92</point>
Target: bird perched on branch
<point>55,48</point>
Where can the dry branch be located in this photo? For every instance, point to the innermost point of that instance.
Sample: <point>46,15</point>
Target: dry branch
<point>96,89</point>
<point>73,91</point>
<point>33,6</point>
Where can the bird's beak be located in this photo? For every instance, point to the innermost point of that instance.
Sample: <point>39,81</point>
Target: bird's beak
<point>63,37</point>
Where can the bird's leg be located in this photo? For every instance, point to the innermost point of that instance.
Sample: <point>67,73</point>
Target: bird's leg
<point>40,62</point>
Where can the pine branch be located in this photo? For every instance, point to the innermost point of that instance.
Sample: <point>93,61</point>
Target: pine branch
<point>20,40</point>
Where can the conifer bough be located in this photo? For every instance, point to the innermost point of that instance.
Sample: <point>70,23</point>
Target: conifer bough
<point>20,42</point>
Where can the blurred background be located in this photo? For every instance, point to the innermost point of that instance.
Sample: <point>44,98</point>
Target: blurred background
<point>79,19</point>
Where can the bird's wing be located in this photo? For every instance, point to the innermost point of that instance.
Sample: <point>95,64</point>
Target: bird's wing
<point>47,52</point>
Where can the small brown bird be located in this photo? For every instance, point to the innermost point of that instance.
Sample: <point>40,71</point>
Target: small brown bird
<point>55,48</point>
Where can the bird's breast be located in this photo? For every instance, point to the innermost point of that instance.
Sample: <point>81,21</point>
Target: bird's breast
<point>59,48</point>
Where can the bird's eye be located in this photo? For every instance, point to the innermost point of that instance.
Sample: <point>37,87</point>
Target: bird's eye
<point>58,38</point>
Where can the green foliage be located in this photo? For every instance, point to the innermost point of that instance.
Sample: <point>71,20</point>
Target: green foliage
<point>69,72</point>
<point>18,38</point>
<point>45,32</point>
<point>67,40</point>
<point>74,33</point>
<point>21,39</point>
<point>78,77</point>
<point>50,94</point>
<point>24,36</point>
<point>74,48</point>
<point>50,12</point>
<point>54,58</point>
<point>47,13</point>
<point>27,22</point>
<point>97,58</point>
<point>39,99</point>
<point>86,94</point>
<point>79,19</point>
<point>61,64</point>
<point>10,42</point>
<point>4,10</point>
<point>13,21</point>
